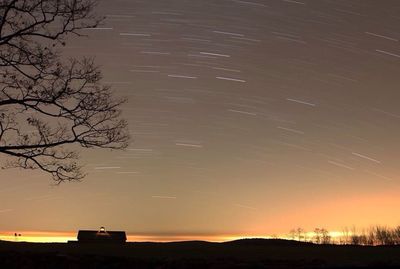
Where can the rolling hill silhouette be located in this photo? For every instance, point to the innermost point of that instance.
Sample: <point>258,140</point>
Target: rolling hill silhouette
<point>244,253</point>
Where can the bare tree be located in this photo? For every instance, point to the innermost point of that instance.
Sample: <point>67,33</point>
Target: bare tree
<point>325,236</point>
<point>317,235</point>
<point>355,240</point>
<point>383,235</point>
<point>49,107</point>
<point>322,236</point>
<point>354,237</point>
<point>300,234</point>
<point>396,235</point>
<point>292,234</point>
<point>346,236</point>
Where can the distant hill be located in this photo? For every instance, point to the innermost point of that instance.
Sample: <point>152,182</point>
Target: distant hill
<point>267,242</point>
<point>238,242</point>
<point>244,253</point>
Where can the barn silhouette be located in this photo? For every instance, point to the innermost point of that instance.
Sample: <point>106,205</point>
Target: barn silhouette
<point>101,236</point>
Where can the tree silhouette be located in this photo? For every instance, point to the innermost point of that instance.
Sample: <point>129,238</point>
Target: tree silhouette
<point>49,106</point>
<point>300,234</point>
<point>317,235</point>
<point>396,234</point>
<point>292,234</point>
<point>325,236</point>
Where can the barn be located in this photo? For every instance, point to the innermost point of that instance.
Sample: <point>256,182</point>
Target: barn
<point>101,236</point>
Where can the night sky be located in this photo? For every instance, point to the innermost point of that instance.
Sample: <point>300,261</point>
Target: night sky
<point>247,118</point>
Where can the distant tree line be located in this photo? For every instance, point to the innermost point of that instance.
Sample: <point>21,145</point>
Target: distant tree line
<point>375,235</point>
<point>318,235</point>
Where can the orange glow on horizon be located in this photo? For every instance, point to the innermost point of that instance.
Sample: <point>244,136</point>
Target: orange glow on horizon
<point>37,236</point>
<point>356,211</point>
<point>64,237</point>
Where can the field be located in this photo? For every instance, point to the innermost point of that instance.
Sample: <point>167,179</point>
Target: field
<point>251,253</point>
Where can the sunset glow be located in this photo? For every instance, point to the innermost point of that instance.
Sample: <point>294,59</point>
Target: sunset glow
<point>64,237</point>
<point>38,237</point>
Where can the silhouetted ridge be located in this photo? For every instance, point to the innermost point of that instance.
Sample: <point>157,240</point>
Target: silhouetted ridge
<point>238,254</point>
<point>174,243</point>
<point>267,242</point>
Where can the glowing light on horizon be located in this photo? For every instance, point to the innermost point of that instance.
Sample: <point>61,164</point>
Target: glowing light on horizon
<point>38,237</point>
<point>64,237</point>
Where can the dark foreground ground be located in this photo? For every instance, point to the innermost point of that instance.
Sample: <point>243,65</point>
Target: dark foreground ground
<point>251,253</point>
